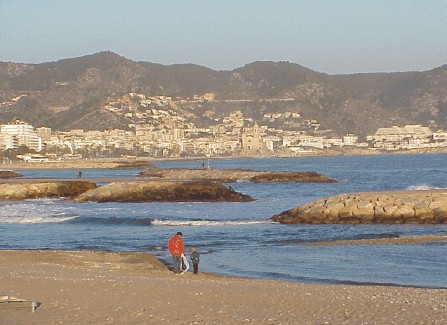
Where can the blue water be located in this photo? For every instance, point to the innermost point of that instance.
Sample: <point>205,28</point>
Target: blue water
<point>238,239</point>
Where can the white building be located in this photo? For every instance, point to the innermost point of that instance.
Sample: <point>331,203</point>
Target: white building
<point>400,137</point>
<point>350,139</point>
<point>440,136</point>
<point>20,133</point>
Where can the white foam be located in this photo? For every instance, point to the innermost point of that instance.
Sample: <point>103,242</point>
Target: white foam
<point>423,187</point>
<point>33,219</point>
<point>198,223</point>
<point>29,213</point>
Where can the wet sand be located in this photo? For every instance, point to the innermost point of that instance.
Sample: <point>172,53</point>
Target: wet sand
<point>406,240</point>
<point>86,287</point>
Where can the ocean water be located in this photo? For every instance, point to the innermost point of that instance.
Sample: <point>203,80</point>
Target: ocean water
<point>238,239</point>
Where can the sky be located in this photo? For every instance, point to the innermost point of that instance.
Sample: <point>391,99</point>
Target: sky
<point>329,36</point>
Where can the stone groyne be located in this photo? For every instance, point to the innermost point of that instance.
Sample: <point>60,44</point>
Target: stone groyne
<point>23,191</point>
<point>7,174</point>
<point>395,207</point>
<point>136,191</point>
<point>235,175</point>
<point>163,191</point>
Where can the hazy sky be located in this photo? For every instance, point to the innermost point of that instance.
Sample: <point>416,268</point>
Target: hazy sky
<point>331,36</point>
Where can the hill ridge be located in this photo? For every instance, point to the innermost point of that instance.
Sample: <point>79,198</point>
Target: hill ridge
<point>60,93</point>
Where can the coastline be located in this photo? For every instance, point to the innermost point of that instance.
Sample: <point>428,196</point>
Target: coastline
<point>79,287</point>
<point>78,164</point>
<point>111,163</point>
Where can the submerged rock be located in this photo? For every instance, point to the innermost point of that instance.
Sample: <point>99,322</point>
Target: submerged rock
<point>422,207</point>
<point>22,191</point>
<point>155,191</point>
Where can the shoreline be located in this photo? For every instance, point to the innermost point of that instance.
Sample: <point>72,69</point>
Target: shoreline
<point>405,240</point>
<point>78,287</point>
<point>112,163</point>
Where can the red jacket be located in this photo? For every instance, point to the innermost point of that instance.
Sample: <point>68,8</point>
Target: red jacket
<point>175,245</point>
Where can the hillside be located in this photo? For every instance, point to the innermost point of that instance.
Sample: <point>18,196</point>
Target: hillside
<point>70,93</point>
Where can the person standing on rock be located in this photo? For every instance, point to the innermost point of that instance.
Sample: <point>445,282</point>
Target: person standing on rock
<point>176,248</point>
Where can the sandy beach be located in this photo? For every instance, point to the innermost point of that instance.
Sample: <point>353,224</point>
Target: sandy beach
<point>89,287</point>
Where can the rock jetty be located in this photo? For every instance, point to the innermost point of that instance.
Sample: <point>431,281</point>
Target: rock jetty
<point>23,191</point>
<point>395,207</point>
<point>6,174</point>
<point>163,191</point>
<point>234,175</point>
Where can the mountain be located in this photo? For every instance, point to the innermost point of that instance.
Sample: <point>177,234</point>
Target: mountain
<point>70,93</point>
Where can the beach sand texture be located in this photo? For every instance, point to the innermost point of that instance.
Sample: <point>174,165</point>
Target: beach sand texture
<point>87,287</point>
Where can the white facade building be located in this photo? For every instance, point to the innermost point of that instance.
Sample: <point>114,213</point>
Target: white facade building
<point>407,137</point>
<point>20,133</point>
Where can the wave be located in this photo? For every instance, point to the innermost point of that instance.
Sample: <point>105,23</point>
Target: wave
<point>30,213</point>
<point>200,222</point>
<point>34,219</point>
<point>158,222</point>
<point>423,187</point>
<point>28,216</point>
<point>113,221</point>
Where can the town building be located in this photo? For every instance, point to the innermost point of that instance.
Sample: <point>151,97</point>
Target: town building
<point>19,133</point>
<point>251,139</point>
<point>407,137</point>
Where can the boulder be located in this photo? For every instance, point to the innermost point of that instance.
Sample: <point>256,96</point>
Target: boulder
<point>163,191</point>
<point>332,210</point>
<point>23,191</point>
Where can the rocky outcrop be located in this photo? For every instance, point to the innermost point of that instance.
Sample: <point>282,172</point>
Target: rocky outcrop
<point>22,191</point>
<point>423,207</point>
<point>6,174</point>
<point>134,165</point>
<point>163,192</point>
<point>234,175</point>
<point>307,177</point>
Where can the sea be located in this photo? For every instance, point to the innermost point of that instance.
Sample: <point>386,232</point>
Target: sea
<point>239,239</point>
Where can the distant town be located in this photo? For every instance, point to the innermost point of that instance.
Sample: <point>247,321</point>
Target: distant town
<point>159,131</point>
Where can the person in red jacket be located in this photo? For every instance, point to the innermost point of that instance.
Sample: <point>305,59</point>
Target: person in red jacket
<point>175,246</point>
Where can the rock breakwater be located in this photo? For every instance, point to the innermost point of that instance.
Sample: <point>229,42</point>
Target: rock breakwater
<point>396,207</point>
<point>234,175</point>
<point>6,174</point>
<point>163,191</point>
<point>23,191</point>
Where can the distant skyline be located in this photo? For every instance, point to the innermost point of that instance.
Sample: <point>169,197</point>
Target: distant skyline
<point>329,36</point>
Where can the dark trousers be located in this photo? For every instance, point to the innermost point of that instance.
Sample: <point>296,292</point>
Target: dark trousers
<point>196,268</point>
